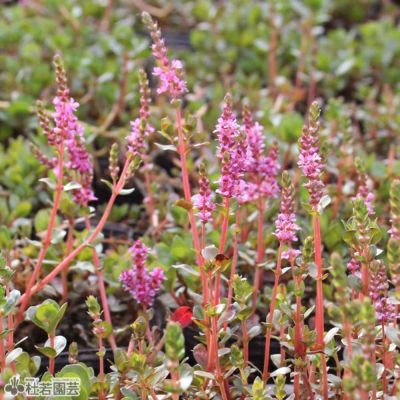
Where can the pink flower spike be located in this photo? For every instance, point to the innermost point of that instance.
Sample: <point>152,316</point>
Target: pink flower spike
<point>285,223</point>
<point>231,150</point>
<point>168,72</point>
<point>202,201</point>
<point>140,127</point>
<point>69,131</point>
<point>363,191</point>
<point>138,281</point>
<point>262,169</point>
<point>310,160</point>
<point>288,254</point>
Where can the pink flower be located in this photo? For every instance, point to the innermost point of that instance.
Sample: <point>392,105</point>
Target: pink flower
<point>354,267</point>
<point>285,223</point>
<point>138,281</point>
<point>202,201</point>
<point>378,288</point>
<point>246,191</point>
<point>288,254</point>
<point>255,143</point>
<point>231,150</point>
<point>139,253</point>
<point>268,171</point>
<point>168,72</point>
<point>261,169</point>
<point>364,193</point>
<point>227,129</point>
<point>385,311</point>
<point>140,127</point>
<point>310,160</point>
<point>139,131</point>
<point>170,79</point>
<point>67,129</point>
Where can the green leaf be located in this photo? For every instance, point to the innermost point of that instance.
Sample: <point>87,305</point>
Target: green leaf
<point>280,371</point>
<point>72,186</point>
<point>12,300</point>
<point>13,355</point>
<point>108,183</point>
<point>393,335</point>
<point>209,253</point>
<point>78,371</point>
<point>41,221</point>
<point>186,268</point>
<point>174,342</point>
<point>185,376</point>
<point>124,192</point>
<point>330,334</point>
<point>323,203</point>
<point>47,351</point>
<point>22,209</point>
<point>166,147</point>
<point>180,249</point>
<point>57,235</point>
<point>106,328</point>
<point>46,315</point>
<point>49,182</point>
<point>204,374</point>
<point>59,344</point>
<point>83,266</point>
<point>242,289</point>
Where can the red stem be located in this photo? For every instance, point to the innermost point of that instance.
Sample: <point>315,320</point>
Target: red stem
<point>64,275</point>
<point>218,370</point>
<point>47,240</point>
<point>245,343</point>
<point>188,198</point>
<point>384,361</point>
<point>2,349</point>
<point>272,50</point>
<point>234,263</point>
<point>299,347</point>
<point>282,338</point>
<point>224,233</point>
<point>102,291</point>
<point>278,272</point>
<point>101,367</point>
<point>64,264</point>
<point>51,359</point>
<point>210,359</point>
<point>225,224</point>
<point>10,326</point>
<point>258,276</point>
<point>186,184</point>
<point>319,308</point>
<point>150,198</point>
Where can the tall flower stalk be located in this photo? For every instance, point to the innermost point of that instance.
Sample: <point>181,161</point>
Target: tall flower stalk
<point>231,152</point>
<point>141,129</point>
<point>260,184</point>
<point>169,74</point>
<point>56,137</point>
<point>285,232</point>
<point>310,161</point>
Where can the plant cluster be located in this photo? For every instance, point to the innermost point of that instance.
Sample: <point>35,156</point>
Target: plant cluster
<point>319,221</point>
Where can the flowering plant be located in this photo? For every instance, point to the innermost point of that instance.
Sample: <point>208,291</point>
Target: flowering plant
<point>327,327</point>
